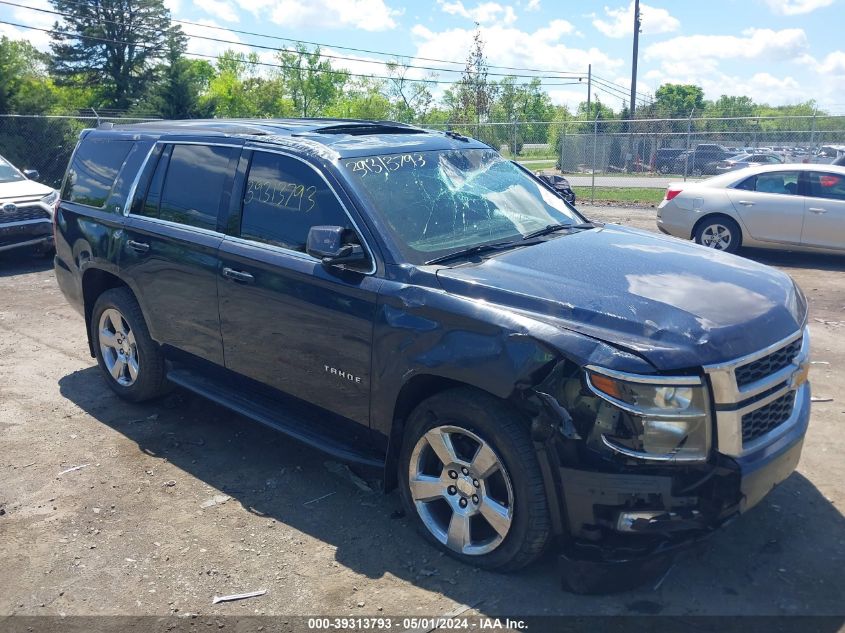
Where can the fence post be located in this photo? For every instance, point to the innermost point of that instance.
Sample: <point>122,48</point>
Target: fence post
<point>689,133</point>
<point>595,144</point>
<point>562,136</point>
<point>813,130</point>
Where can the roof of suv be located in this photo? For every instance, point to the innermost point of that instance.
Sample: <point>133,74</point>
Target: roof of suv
<point>341,137</point>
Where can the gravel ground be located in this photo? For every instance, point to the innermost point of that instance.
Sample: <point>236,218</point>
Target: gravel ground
<point>180,500</point>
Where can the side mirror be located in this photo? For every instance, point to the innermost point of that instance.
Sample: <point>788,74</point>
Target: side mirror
<point>330,244</point>
<point>32,174</point>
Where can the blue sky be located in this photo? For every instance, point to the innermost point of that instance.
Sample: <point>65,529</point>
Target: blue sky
<point>776,51</point>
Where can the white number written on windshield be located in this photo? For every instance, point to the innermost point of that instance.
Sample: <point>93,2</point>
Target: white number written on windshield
<point>385,164</point>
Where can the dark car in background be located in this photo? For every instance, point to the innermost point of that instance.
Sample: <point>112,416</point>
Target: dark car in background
<point>26,210</point>
<point>664,158</point>
<point>411,301</point>
<point>702,160</point>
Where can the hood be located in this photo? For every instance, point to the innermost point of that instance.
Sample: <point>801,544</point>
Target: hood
<point>23,189</point>
<point>677,304</point>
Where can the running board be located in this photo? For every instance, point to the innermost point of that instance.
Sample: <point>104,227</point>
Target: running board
<point>295,418</point>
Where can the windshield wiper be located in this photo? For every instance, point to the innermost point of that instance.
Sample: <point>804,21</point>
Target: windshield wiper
<point>552,228</point>
<point>474,250</point>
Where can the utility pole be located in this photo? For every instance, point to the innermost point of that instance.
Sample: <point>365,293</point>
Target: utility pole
<point>637,23</point>
<point>589,85</point>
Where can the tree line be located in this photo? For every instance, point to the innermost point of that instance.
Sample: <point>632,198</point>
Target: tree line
<point>129,58</point>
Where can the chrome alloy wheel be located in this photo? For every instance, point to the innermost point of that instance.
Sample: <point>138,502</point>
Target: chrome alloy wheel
<point>118,348</point>
<point>461,490</point>
<point>717,236</point>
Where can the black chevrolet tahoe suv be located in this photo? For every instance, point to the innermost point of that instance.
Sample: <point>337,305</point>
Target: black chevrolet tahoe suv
<point>409,300</point>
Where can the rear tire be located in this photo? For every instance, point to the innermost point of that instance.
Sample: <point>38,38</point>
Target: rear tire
<point>718,232</point>
<point>131,362</point>
<point>478,492</point>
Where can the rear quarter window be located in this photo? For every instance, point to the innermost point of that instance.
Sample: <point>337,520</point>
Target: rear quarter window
<point>93,171</point>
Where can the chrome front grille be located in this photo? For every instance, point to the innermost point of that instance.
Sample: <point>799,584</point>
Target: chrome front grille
<point>768,365</point>
<point>757,396</point>
<point>767,418</point>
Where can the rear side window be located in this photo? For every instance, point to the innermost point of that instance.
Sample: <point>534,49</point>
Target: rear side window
<point>283,199</point>
<point>824,185</point>
<point>196,180</point>
<point>782,182</point>
<point>94,169</point>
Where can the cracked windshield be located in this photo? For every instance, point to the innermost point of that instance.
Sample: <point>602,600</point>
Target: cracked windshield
<point>438,202</point>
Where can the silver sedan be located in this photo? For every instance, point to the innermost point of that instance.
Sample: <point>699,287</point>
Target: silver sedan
<point>788,207</point>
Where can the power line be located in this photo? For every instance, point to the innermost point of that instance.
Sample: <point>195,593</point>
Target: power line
<point>333,71</point>
<point>557,75</point>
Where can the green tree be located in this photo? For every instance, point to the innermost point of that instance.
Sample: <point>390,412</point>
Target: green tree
<point>313,85</point>
<point>361,100</point>
<point>179,83</point>
<point>678,100</point>
<point>411,99</point>
<point>113,44</point>
<point>25,86</point>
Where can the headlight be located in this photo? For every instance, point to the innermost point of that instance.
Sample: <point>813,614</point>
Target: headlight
<point>661,418</point>
<point>51,198</point>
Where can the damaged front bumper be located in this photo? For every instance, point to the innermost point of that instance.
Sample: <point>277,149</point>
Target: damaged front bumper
<point>626,526</point>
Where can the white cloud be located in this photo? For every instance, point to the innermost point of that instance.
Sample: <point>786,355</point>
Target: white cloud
<point>37,19</point>
<point>543,49</point>
<point>367,15</point>
<point>833,64</point>
<point>218,8</point>
<point>483,12</point>
<point>755,44</point>
<point>533,5</point>
<point>620,22</point>
<point>797,7</point>
<point>207,47</point>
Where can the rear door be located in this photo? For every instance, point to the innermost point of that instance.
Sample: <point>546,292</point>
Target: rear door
<point>288,321</point>
<point>170,251</point>
<point>770,207</point>
<point>824,222</point>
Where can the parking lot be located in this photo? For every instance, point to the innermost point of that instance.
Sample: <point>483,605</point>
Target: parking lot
<point>180,500</point>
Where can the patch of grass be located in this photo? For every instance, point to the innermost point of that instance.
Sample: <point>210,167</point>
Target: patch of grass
<point>626,195</point>
<point>539,166</point>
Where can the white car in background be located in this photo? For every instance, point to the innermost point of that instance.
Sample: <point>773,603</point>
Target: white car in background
<point>26,210</point>
<point>789,207</point>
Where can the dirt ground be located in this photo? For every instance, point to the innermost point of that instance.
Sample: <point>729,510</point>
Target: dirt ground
<point>180,501</point>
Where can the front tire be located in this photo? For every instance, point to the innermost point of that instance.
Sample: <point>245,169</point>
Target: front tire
<point>720,233</point>
<point>131,362</point>
<point>470,480</point>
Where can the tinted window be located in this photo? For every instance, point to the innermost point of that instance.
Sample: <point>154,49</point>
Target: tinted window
<point>782,182</point>
<point>823,185</point>
<point>283,199</point>
<point>196,180</point>
<point>94,169</point>
<point>153,197</point>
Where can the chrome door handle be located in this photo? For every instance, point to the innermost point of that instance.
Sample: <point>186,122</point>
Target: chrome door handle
<point>238,275</point>
<point>139,247</point>
<point>816,210</point>
<point>746,203</point>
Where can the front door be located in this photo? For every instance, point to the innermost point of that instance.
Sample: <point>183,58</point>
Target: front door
<point>824,219</point>
<point>770,206</point>
<point>170,250</point>
<point>287,320</point>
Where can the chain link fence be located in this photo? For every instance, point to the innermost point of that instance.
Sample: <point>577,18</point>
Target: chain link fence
<point>601,155</point>
<point>602,158</point>
<point>45,143</point>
